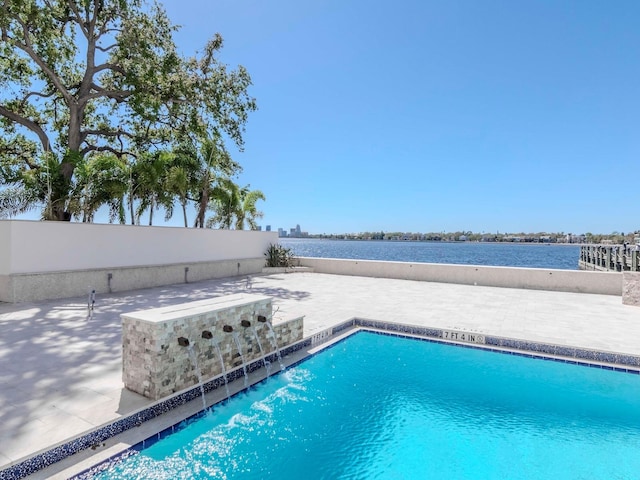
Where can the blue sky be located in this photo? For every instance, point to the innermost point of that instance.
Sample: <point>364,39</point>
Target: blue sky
<point>436,116</point>
<point>421,115</point>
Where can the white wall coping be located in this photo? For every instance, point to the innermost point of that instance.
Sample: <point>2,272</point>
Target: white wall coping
<point>189,309</point>
<point>578,281</point>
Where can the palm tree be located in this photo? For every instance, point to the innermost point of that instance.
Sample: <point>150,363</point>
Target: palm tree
<point>248,211</point>
<point>216,168</point>
<point>177,185</point>
<point>149,181</point>
<point>233,206</point>
<point>15,200</point>
<point>99,180</point>
<point>224,201</point>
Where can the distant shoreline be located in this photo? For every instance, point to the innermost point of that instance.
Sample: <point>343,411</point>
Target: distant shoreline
<point>441,241</point>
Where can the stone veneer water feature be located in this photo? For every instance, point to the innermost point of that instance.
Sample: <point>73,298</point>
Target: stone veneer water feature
<point>155,357</point>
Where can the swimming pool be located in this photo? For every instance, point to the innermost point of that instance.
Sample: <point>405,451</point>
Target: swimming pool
<point>380,406</point>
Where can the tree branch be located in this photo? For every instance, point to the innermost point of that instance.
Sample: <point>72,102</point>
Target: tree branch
<point>30,124</point>
<point>106,133</point>
<point>97,5</point>
<point>51,8</point>
<point>106,148</point>
<point>35,94</point>
<point>109,66</point>
<point>109,133</point>
<point>117,95</point>
<point>19,152</point>
<point>79,20</point>
<point>104,30</point>
<point>27,47</point>
<point>106,49</point>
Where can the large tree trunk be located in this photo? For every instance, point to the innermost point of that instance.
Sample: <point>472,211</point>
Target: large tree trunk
<point>59,196</point>
<point>61,186</point>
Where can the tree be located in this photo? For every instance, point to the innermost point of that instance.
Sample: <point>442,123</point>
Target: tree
<point>248,211</point>
<point>83,76</point>
<point>100,180</point>
<point>233,206</point>
<point>149,184</point>
<point>178,184</point>
<point>224,201</point>
<point>212,166</point>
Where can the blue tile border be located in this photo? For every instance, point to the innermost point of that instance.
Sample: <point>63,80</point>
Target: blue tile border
<point>581,356</point>
<point>572,355</point>
<point>343,326</point>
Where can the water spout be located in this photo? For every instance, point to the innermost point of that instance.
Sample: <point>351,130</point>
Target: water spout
<point>183,342</point>
<point>227,329</point>
<point>245,323</point>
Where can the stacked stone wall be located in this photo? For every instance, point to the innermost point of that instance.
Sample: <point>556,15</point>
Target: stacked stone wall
<point>156,365</point>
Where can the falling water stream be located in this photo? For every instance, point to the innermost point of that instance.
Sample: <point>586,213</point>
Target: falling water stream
<point>244,365</point>
<point>194,360</point>
<point>265,362</point>
<point>274,343</point>
<point>223,369</point>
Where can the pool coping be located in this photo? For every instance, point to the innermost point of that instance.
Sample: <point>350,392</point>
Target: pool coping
<point>626,363</point>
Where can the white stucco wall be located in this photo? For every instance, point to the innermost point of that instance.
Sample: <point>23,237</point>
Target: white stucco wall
<point>5,247</point>
<point>607,283</point>
<point>33,247</point>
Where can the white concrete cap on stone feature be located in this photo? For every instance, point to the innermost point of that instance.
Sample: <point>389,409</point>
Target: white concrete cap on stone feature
<point>198,307</point>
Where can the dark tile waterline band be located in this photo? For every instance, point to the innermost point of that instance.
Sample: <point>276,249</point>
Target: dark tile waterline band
<point>510,346</point>
<point>563,354</point>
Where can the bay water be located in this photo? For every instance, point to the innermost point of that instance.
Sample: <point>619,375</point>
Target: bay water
<point>528,255</point>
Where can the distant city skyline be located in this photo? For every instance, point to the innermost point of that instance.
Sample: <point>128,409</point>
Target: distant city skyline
<point>461,235</point>
<point>298,232</point>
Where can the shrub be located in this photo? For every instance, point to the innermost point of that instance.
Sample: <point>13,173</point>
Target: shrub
<point>278,256</point>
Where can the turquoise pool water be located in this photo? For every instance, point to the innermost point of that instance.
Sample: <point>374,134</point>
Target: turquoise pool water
<point>381,407</point>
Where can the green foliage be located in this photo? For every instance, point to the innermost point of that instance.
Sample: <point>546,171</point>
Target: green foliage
<point>234,206</point>
<point>100,180</point>
<point>86,77</point>
<point>278,256</point>
<point>14,201</point>
<point>212,165</point>
<point>149,175</point>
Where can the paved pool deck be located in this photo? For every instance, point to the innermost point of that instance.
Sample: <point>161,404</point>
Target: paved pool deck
<point>60,372</point>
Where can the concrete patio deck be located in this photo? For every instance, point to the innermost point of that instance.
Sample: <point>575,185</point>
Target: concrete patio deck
<point>60,372</point>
